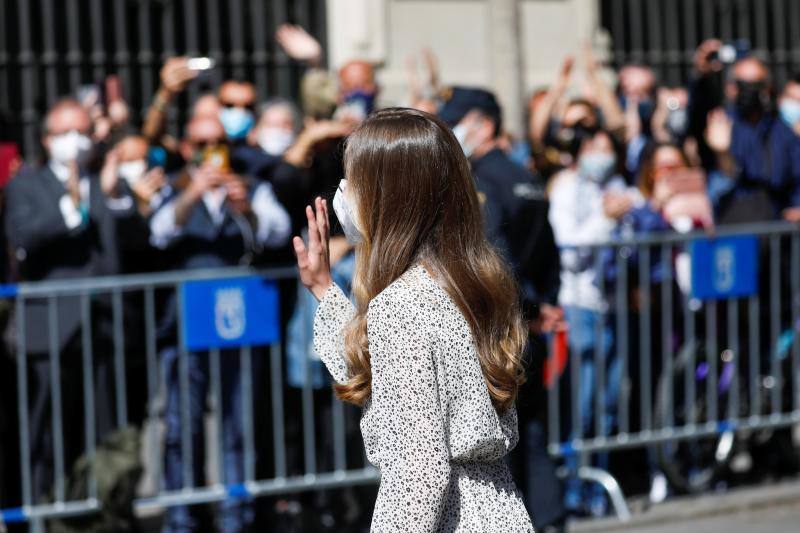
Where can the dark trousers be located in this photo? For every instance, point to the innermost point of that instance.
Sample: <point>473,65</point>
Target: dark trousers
<point>72,407</point>
<point>234,515</point>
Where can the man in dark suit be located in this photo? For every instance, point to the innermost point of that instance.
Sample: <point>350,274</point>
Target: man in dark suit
<point>60,224</point>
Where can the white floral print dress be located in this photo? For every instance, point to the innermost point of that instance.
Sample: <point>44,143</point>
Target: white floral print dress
<point>429,425</point>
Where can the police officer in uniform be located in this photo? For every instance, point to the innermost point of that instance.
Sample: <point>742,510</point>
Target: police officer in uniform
<point>515,217</point>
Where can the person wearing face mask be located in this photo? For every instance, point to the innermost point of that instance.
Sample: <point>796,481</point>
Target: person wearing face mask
<point>130,168</point>
<point>789,104</point>
<point>60,223</point>
<point>273,134</point>
<point>348,96</point>
<point>404,350</point>
<point>515,220</point>
<point>210,218</point>
<point>237,114</point>
<point>586,200</point>
<point>748,150</point>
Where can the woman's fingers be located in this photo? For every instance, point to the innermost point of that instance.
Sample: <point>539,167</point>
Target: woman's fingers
<point>321,224</point>
<point>313,232</point>
<point>301,253</point>
<point>327,216</point>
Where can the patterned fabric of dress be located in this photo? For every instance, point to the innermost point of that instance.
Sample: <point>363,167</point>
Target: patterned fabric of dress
<point>429,425</point>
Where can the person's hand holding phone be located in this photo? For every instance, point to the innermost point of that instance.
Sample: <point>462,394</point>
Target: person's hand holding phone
<point>706,57</point>
<point>204,178</point>
<point>176,74</point>
<point>313,261</point>
<point>236,193</point>
<point>147,187</point>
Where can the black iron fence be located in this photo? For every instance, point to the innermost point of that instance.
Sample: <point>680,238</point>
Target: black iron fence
<point>48,48</point>
<point>665,33</point>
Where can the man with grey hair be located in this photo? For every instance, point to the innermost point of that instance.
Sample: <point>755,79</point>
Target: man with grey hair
<point>281,149</point>
<point>60,223</point>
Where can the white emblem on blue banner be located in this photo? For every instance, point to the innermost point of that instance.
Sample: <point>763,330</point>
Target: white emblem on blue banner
<point>230,317</point>
<point>724,268</point>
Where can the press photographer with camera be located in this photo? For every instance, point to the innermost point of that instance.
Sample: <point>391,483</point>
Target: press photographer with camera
<point>211,217</point>
<point>753,156</point>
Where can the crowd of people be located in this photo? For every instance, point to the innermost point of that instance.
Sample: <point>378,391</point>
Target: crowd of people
<point>598,162</point>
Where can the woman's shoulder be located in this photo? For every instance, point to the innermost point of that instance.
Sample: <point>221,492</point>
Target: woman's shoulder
<point>412,296</point>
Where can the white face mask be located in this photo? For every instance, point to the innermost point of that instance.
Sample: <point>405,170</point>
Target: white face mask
<point>69,147</point>
<point>132,171</point>
<point>345,214</point>
<point>461,131</point>
<point>275,141</point>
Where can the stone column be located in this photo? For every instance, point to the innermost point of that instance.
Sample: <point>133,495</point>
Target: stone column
<point>506,62</point>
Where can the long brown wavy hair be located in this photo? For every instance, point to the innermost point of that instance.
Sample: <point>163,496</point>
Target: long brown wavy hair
<point>417,203</point>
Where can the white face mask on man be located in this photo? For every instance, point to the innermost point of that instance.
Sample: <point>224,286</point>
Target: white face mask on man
<point>132,171</point>
<point>71,146</point>
<point>461,131</point>
<point>275,141</point>
<point>346,214</point>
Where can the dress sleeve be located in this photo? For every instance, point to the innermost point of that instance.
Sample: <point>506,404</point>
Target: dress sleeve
<point>414,459</point>
<point>333,313</point>
<point>509,425</point>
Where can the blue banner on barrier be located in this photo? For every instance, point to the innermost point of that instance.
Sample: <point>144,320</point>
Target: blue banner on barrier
<point>229,313</point>
<point>724,267</point>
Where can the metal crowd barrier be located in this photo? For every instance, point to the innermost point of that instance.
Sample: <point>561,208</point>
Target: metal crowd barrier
<point>697,361</point>
<point>313,467</point>
<point>697,365</point>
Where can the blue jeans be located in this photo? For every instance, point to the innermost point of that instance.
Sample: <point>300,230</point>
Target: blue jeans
<point>234,515</point>
<point>588,330</point>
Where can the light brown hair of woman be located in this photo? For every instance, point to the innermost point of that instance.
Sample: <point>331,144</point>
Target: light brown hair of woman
<point>416,202</point>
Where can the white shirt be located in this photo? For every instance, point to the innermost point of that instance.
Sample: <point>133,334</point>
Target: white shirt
<point>578,219</point>
<point>69,211</point>
<point>273,223</point>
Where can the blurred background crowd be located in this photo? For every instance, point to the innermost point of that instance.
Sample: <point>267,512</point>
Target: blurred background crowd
<point>602,158</point>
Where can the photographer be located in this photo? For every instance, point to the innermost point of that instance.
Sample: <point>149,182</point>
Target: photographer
<point>752,155</point>
<point>211,217</point>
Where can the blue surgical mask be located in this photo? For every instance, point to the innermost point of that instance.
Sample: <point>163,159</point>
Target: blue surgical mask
<point>236,121</point>
<point>362,98</point>
<point>790,111</point>
<point>596,166</point>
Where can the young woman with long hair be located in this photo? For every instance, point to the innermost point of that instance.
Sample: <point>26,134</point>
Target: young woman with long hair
<point>432,348</point>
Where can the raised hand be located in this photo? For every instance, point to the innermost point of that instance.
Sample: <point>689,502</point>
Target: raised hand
<point>562,81</point>
<point>299,44</point>
<point>704,60</point>
<point>145,188</point>
<point>175,74</point>
<point>719,130</point>
<point>236,190</point>
<point>108,174</point>
<point>314,261</point>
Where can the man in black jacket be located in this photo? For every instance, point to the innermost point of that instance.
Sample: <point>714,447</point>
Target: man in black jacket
<point>60,224</point>
<point>515,218</point>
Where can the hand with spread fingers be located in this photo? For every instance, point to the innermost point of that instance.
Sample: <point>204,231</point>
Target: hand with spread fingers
<point>314,260</point>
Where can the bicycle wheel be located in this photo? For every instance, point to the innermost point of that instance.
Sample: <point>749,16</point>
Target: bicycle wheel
<point>690,465</point>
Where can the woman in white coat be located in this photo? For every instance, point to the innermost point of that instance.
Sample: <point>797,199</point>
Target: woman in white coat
<point>432,349</point>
